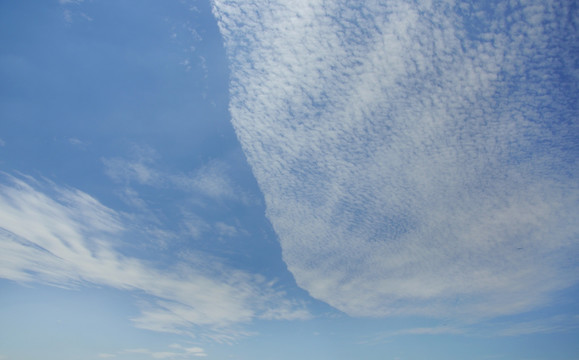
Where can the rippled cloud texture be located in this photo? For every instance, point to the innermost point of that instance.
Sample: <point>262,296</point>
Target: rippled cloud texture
<point>416,157</point>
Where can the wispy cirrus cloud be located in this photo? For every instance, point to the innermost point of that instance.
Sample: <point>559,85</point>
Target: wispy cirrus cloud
<point>549,325</point>
<point>66,238</point>
<point>416,158</point>
<point>71,10</point>
<point>211,180</point>
<point>77,143</point>
<point>385,337</point>
<point>141,176</point>
<point>106,355</point>
<point>486,329</point>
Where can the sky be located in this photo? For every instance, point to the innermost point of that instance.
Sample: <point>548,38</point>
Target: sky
<point>297,179</point>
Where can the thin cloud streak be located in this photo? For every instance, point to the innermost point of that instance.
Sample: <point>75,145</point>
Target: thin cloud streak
<point>177,352</point>
<point>64,237</point>
<point>411,162</point>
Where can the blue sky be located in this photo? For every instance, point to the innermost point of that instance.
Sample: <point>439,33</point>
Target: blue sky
<point>288,180</point>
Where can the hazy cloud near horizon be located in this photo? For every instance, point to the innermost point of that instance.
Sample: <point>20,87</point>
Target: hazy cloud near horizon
<point>416,158</point>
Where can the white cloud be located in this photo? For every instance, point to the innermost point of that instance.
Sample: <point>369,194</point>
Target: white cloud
<point>211,185</point>
<point>71,11</point>
<point>178,352</point>
<point>66,238</point>
<point>195,350</point>
<point>136,351</point>
<point>386,337</point>
<point>195,225</point>
<point>138,169</point>
<point>76,142</point>
<point>164,355</point>
<point>226,230</point>
<point>412,164</point>
<point>106,355</point>
<point>552,324</point>
<point>515,326</point>
<point>430,331</point>
<point>67,14</point>
<point>191,351</point>
<point>211,180</point>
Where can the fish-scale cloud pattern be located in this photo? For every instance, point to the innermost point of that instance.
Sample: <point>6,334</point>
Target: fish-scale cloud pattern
<point>415,157</point>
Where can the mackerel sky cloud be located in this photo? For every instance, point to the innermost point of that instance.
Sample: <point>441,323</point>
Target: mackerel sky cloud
<point>414,157</point>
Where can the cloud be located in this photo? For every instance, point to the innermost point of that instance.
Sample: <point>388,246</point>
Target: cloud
<point>194,225</point>
<point>192,351</point>
<point>163,355</point>
<point>554,324</point>
<point>178,352</point>
<point>211,180</point>
<point>186,36</point>
<point>139,168</point>
<point>70,10</point>
<point>386,337</point>
<point>136,351</point>
<point>415,158</point>
<point>78,143</point>
<point>142,176</point>
<point>486,329</point>
<point>106,355</point>
<point>430,331</point>
<point>225,230</point>
<point>66,238</point>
